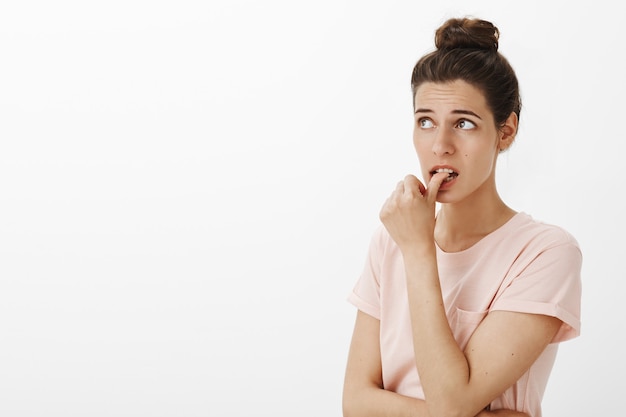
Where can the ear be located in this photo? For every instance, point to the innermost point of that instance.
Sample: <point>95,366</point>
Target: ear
<point>508,132</point>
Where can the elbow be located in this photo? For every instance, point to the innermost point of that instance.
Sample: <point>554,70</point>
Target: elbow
<point>445,413</point>
<point>350,403</point>
<point>347,409</point>
<point>453,400</point>
<point>448,409</point>
<point>355,400</point>
<point>442,413</point>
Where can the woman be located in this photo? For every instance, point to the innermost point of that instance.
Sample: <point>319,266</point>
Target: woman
<point>460,310</point>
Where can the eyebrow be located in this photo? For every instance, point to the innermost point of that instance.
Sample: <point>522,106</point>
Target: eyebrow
<point>468,112</point>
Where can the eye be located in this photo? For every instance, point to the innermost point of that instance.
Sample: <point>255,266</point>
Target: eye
<point>425,123</point>
<point>465,124</point>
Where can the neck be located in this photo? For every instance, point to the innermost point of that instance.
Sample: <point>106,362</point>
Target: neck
<point>460,225</point>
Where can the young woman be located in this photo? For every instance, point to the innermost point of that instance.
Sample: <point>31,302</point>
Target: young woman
<point>461,309</point>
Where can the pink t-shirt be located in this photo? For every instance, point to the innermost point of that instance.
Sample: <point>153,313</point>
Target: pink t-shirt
<point>524,266</point>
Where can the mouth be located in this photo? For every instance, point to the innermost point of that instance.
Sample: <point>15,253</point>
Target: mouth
<point>451,173</point>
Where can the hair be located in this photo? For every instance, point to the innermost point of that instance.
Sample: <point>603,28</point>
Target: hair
<point>467,50</point>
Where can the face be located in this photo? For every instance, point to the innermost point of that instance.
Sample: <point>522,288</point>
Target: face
<point>455,131</point>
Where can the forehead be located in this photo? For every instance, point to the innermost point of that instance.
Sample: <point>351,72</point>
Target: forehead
<point>454,95</point>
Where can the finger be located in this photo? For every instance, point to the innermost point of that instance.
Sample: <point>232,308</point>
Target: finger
<point>434,184</point>
<point>413,185</point>
<point>400,187</point>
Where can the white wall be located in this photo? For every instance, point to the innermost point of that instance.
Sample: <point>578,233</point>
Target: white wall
<point>187,190</point>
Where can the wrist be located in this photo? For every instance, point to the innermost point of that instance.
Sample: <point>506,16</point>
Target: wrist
<point>419,250</point>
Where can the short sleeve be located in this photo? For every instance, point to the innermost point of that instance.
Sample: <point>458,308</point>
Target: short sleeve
<point>549,284</point>
<point>366,293</point>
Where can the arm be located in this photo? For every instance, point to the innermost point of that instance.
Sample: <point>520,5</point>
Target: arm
<point>501,349</point>
<point>504,346</point>
<point>363,392</point>
<point>364,395</point>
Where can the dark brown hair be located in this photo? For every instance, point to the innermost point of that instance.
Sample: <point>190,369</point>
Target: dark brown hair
<point>467,50</point>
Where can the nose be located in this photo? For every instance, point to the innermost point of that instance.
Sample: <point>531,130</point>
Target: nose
<point>442,143</point>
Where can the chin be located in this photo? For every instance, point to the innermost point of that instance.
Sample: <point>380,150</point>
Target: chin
<point>446,197</point>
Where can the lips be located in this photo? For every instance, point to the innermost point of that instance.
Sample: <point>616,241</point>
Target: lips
<point>452,174</point>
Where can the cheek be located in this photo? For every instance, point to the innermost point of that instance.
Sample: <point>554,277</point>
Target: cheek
<point>421,144</point>
<point>421,151</point>
<point>484,164</point>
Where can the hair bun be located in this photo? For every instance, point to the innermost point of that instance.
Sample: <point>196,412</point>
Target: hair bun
<point>467,33</point>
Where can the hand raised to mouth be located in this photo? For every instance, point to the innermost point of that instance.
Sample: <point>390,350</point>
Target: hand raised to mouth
<point>409,212</point>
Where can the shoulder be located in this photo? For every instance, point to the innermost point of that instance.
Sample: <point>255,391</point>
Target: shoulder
<point>538,234</point>
<point>525,240</point>
<point>540,247</point>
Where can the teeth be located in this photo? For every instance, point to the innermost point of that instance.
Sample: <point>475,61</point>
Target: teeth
<point>451,173</point>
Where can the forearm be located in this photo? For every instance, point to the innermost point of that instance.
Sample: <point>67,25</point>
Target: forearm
<point>443,367</point>
<point>377,402</point>
<point>372,401</point>
<point>502,413</point>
